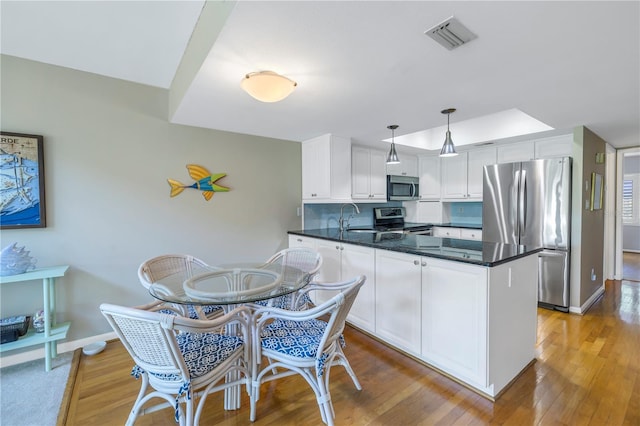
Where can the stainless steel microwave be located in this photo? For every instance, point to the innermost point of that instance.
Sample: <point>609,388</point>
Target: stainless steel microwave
<point>402,188</point>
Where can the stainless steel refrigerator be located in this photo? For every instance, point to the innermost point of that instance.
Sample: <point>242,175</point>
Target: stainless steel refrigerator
<point>529,203</point>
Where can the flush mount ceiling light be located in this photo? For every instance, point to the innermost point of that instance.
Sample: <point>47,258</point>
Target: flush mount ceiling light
<point>267,86</point>
<point>448,150</point>
<point>392,158</point>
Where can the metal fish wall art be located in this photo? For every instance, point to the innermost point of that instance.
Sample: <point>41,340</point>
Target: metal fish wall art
<point>204,181</point>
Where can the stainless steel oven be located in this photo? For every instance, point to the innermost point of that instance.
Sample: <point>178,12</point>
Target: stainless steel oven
<point>402,188</point>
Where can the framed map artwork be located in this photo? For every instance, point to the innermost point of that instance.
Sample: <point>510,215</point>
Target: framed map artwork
<point>22,181</point>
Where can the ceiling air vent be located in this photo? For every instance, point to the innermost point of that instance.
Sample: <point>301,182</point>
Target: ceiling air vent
<point>450,33</point>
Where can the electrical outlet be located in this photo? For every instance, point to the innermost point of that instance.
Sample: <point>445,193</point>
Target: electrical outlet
<point>593,274</point>
<point>299,211</point>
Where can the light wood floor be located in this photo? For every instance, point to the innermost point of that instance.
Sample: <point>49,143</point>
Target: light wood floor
<point>587,373</point>
<point>630,266</point>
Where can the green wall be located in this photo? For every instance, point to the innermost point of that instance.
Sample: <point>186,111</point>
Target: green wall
<point>109,150</point>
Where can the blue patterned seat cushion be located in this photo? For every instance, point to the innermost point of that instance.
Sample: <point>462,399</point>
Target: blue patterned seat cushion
<point>284,302</point>
<point>202,352</point>
<point>294,338</point>
<point>206,309</point>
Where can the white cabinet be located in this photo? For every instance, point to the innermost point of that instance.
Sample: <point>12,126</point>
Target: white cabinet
<point>330,271</point>
<point>408,166</point>
<point>551,147</point>
<point>326,169</point>
<point>454,319</point>
<point>368,174</point>
<point>298,241</point>
<point>462,174</point>
<point>459,233</point>
<point>474,323</point>
<point>521,151</point>
<point>471,234</point>
<point>476,160</point>
<point>445,232</point>
<point>398,300</point>
<point>358,260</point>
<point>429,173</point>
<point>454,176</point>
<point>557,146</point>
<point>341,262</point>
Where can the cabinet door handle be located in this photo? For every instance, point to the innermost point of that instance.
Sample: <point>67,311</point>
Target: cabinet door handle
<point>424,263</point>
<point>299,240</point>
<point>415,262</point>
<point>337,247</point>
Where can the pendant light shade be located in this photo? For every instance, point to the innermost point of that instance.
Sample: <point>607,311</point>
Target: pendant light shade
<point>267,86</point>
<point>392,157</point>
<point>448,149</point>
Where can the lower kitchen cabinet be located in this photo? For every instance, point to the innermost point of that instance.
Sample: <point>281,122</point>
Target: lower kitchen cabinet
<point>357,260</point>
<point>454,312</point>
<point>458,233</point>
<point>445,232</point>
<point>398,297</point>
<point>298,241</point>
<point>477,324</point>
<point>341,262</point>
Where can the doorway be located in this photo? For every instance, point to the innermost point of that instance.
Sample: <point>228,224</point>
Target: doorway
<point>628,215</point>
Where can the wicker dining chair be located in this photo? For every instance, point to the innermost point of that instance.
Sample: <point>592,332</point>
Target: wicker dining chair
<point>306,342</point>
<point>179,268</point>
<point>182,359</point>
<point>302,258</point>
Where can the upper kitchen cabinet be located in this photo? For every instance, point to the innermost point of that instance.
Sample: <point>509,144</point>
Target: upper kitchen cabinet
<point>408,166</point>
<point>551,147</point>
<point>429,174</point>
<point>476,160</point>
<point>326,169</point>
<point>454,176</point>
<point>462,174</point>
<point>557,146</point>
<point>368,174</point>
<point>521,151</point>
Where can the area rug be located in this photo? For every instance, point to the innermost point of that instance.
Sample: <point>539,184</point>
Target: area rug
<point>30,396</point>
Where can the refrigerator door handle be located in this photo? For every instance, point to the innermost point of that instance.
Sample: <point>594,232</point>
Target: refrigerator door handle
<point>522,202</point>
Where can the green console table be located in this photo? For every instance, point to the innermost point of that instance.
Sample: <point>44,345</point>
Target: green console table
<point>52,331</point>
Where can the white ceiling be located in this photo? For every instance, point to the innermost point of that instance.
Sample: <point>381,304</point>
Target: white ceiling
<point>360,65</point>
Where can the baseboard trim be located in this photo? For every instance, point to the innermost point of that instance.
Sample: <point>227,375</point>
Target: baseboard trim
<point>63,347</point>
<point>587,304</point>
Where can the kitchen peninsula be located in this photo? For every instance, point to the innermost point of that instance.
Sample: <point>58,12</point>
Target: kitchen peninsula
<point>466,308</point>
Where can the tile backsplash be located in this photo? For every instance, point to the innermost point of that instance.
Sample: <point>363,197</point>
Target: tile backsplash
<point>324,216</point>
<point>465,213</point>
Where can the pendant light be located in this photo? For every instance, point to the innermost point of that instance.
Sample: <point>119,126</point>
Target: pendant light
<point>392,158</point>
<point>448,150</point>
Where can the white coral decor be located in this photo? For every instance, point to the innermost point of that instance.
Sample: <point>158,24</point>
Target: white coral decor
<point>15,260</point>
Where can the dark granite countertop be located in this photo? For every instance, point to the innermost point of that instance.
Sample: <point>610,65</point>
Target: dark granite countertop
<point>475,252</point>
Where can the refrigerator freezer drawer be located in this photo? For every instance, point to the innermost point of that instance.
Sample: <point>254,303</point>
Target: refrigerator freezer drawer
<point>553,278</point>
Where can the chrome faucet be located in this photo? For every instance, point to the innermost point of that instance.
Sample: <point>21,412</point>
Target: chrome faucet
<point>355,208</point>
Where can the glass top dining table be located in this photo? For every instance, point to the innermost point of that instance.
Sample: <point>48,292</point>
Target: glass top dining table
<point>230,284</point>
